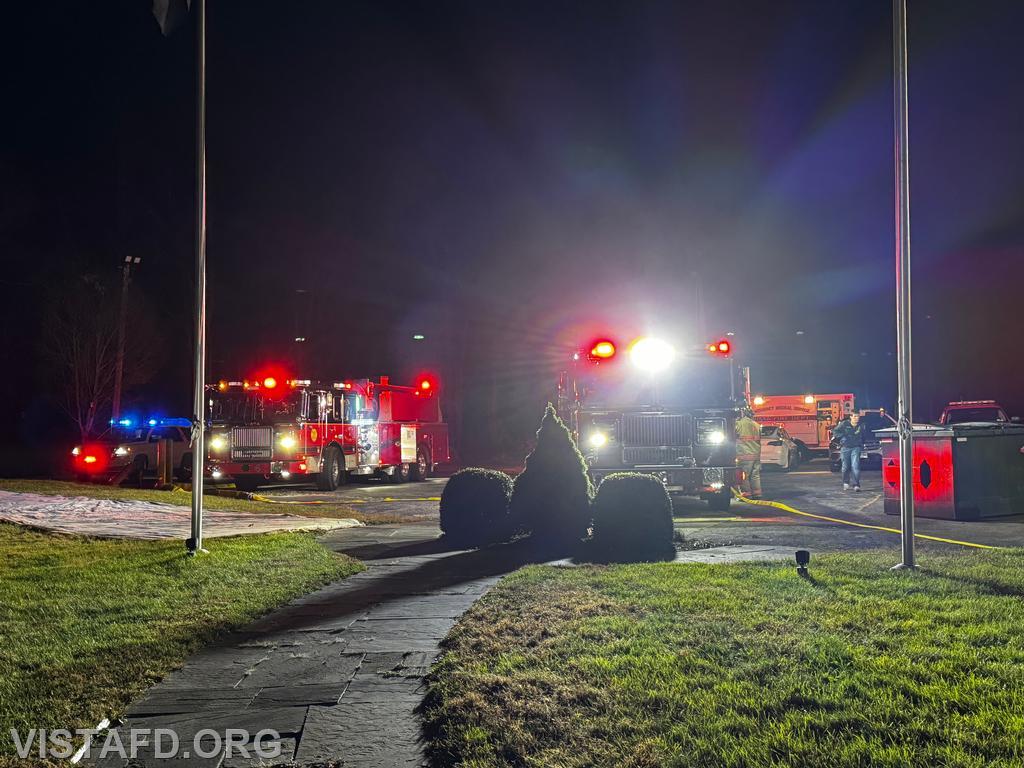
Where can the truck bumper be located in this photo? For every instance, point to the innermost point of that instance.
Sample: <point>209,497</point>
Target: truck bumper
<point>687,480</point>
<point>225,470</point>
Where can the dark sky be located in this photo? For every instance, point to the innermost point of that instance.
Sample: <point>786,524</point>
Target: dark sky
<point>510,177</point>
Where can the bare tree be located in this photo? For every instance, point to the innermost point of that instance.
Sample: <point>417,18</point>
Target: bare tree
<point>79,340</point>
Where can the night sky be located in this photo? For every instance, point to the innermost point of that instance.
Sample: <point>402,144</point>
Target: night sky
<point>508,178</point>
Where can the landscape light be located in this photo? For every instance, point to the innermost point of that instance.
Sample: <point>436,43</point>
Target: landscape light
<point>803,558</point>
<point>652,355</point>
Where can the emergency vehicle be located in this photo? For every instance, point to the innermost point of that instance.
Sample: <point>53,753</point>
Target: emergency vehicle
<point>130,450</point>
<point>274,428</point>
<point>646,408</point>
<point>808,418</point>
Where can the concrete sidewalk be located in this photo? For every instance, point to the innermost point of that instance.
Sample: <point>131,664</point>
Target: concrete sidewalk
<point>339,673</point>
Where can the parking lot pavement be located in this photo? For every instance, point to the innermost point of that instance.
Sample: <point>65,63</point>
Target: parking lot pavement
<point>414,501</point>
<point>816,490</point>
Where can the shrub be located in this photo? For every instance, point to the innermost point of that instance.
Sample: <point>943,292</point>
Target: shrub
<point>551,498</point>
<point>474,506</point>
<point>632,519</point>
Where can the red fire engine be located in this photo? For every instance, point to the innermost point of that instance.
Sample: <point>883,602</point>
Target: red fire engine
<point>273,428</point>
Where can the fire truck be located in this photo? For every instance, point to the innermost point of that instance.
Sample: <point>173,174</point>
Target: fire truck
<point>647,409</point>
<point>272,428</point>
<point>808,418</point>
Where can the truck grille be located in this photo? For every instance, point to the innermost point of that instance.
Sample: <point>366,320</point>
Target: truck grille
<point>655,429</point>
<point>656,456</point>
<point>252,443</point>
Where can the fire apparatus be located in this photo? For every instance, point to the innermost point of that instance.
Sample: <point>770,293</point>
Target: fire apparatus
<point>809,418</point>
<point>648,409</point>
<point>273,428</point>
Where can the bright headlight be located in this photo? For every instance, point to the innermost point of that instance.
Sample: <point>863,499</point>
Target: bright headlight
<point>76,450</point>
<point>218,443</point>
<point>287,442</point>
<point>597,439</point>
<point>652,355</point>
<point>717,437</point>
<point>121,451</point>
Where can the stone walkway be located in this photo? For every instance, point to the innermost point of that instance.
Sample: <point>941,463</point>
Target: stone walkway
<point>339,673</point>
<point>129,519</point>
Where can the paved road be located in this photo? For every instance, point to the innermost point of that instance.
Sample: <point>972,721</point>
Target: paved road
<point>815,490</point>
<point>412,501</point>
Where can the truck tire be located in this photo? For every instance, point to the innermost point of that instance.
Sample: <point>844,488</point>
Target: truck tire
<point>247,483</point>
<point>721,500</point>
<point>402,473</point>
<point>421,469</point>
<point>331,470</point>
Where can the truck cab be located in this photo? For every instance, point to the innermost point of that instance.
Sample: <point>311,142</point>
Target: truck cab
<point>967,411</point>
<point>650,410</point>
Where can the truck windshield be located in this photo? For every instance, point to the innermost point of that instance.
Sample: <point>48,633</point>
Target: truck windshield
<point>235,407</point>
<point>964,415</point>
<point>691,383</point>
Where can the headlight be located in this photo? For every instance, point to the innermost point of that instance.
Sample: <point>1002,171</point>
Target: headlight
<point>597,439</point>
<point>287,442</point>
<point>76,450</point>
<point>121,451</point>
<point>651,355</point>
<point>710,431</point>
<point>218,443</point>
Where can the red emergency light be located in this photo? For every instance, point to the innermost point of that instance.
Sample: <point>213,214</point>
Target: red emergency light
<point>425,384</point>
<point>722,347</point>
<point>270,382</point>
<point>601,349</point>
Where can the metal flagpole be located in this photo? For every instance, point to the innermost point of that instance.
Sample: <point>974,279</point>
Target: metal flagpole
<point>195,543</point>
<point>904,408</point>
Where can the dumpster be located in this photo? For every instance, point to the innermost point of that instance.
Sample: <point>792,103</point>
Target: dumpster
<point>966,471</point>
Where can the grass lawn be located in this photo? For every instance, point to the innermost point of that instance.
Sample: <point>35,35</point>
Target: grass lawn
<point>740,665</point>
<point>184,499</point>
<point>87,624</point>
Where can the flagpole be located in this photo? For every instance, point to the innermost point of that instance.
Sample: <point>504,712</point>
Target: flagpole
<point>905,421</point>
<point>195,542</point>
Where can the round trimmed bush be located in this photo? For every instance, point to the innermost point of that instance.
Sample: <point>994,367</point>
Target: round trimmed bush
<point>632,518</point>
<point>474,506</point>
<point>551,498</point>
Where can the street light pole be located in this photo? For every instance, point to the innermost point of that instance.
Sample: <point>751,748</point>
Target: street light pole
<point>903,351</point>
<point>126,278</point>
<point>195,542</point>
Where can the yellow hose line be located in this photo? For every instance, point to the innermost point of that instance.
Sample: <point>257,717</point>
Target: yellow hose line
<point>785,508</point>
<point>268,500</point>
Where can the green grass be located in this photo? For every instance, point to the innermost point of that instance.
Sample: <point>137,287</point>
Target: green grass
<point>740,665</point>
<point>86,624</point>
<point>183,498</point>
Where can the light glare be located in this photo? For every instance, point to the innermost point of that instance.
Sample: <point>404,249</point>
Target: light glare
<point>652,355</point>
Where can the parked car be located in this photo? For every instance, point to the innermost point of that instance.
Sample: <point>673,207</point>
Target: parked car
<point>871,453</point>
<point>778,448</point>
<point>129,451</point>
<point>964,411</point>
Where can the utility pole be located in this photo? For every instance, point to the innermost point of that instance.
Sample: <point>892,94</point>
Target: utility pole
<point>905,422</point>
<point>195,543</point>
<point>126,278</point>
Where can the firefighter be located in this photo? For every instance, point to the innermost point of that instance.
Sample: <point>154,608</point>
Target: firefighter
<point>748,453</point>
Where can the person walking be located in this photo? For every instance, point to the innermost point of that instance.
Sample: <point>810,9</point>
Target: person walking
<point>850,433</point>
<point>748,454</point>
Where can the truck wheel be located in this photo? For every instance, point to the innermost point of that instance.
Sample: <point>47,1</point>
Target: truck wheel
<point>400,474</point>
<point>720,500</point>
<point>247,483</point>
<point>329,477</point>
<point>185,470</point>
<point>421,469</point>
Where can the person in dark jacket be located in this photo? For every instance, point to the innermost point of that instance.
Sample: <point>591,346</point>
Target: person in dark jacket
<point>851,435</point>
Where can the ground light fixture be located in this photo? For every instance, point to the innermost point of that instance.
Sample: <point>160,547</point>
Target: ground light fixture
<point>651,355</point>
<point>803,559</point>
